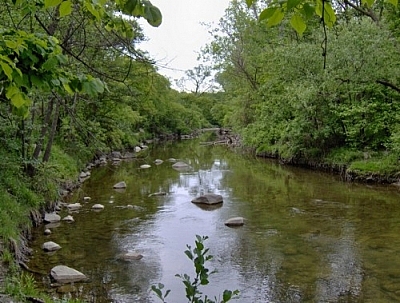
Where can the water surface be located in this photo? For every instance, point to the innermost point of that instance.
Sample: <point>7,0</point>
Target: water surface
<point>308,236</point>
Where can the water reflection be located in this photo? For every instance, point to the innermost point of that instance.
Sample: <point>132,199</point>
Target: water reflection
<point>307,238</point>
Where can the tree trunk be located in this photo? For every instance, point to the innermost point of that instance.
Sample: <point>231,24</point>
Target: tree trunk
<point>52,134</point>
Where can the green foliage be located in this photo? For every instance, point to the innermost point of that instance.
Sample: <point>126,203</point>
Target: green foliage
<point>383,164</point>
<point>199,256</point>
<point>302,10</point>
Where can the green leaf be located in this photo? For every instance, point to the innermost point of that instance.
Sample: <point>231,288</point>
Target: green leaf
<point>130,6</point>
<point>298,24</point>
<point>65,8</point>
<point>267,13</point>
<point>276,18</point>
<point>329,15</point>
<point>90,7</point>
<point>250,2</point>
<point>292,4</point>
<point>369,3</point>
<point>394,2</point>
<point>153,15</point>
<point>308,10</point>
<point>51,3</point>
<point>7,70</point>
<point>50,64</point>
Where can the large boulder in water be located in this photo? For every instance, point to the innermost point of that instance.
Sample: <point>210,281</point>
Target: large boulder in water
<point>65,274</point>
<point>208,199</point>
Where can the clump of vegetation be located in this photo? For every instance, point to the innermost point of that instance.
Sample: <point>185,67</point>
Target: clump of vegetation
<point>199,256</point>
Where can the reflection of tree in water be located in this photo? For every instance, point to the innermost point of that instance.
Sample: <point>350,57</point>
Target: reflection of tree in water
<point>344,278</point>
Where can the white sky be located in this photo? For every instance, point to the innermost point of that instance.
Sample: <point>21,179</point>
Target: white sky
<point>178,40</point>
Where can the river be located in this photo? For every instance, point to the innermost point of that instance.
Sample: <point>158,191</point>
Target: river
<point>307,237</point>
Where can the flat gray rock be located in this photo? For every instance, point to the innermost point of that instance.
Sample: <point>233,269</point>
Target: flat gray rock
<point>208,199</point>
<point>236,221</point>
<point>181,166</point>
<point>50,246</point>
<point>65,274</point>
<point>51,218</point>
<point>130,256</point>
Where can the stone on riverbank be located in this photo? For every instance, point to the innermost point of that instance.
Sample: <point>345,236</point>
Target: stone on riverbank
<point>51,218</point>
<point>98,206</point>
<point>233,222</point>
<point>68,218</point>
<point>50,246</point>
<point>144,166</point>
<point>65,274</point>
<point>208,199</point>
<point>74,206</point>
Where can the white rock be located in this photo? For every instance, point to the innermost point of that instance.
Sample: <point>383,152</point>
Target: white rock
<point>236,221</point>
<point>87,198</point>
<point>50,246</point>
<point>144,166</point>
<point>69,218</point>
<point>120,185</point>
<point>98,206</point>
<point>158,161</point>
<point>137,149</point>
<point>65,274</point>
<point>74,206</point>
<point>51,217</point>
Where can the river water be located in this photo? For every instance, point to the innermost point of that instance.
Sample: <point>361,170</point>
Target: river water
<point>308,236</point>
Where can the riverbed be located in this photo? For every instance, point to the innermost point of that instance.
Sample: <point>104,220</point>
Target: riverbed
<point>308,236</point>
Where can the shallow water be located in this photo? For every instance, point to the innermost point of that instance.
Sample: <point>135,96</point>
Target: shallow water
<point>308,236</point>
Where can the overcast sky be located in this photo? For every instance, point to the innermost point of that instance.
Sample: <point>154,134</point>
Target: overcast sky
<point>177,41</point>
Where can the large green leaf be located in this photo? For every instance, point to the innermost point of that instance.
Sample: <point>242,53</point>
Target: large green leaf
<point>267,13</point>
<point>276,18</point>
<point>328,15</point>
<point>298,24</point>
<point>130,6</point>
<point>90,7</point>
<point>51,3</point>
<point>394,2</point>
<point>65,8</point>
<point>7,70</point>
<point>153,15</point>
<point>369,3</point>
<point>308,10</point>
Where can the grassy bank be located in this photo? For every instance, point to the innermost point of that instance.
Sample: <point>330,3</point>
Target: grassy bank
<point>22,201</point>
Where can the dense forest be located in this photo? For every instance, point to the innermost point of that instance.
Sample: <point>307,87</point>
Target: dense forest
<point>305,81</point>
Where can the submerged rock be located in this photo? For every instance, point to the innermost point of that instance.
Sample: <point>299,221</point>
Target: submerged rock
<point>130,256</point>
<point>144,166</point>
<point>208,199</point>
<point>65,274</point>
<point>181,166</point>
<point>98,206</point>
<point>158,161</point>
<point>161,193</point>
<point>69,218</point>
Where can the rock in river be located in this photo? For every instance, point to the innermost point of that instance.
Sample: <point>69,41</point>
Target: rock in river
<point>51,218</point>
<point>120,185</point>
<point>208,199</point>
<point>236,221</point>
<point>65,274</point>
<point>50,246</point>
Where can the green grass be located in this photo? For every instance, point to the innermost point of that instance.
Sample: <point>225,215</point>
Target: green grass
<point>380,164</point>
<point>344,156</point>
